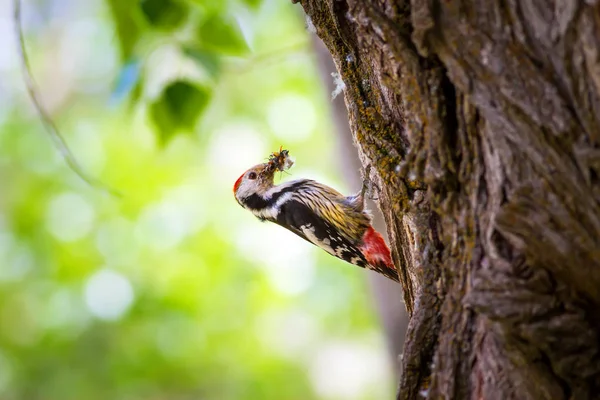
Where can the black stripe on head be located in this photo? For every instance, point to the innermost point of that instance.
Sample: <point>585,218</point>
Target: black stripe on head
<point>257,202</point>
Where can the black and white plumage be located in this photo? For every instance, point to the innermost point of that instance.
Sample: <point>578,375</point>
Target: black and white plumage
<point>338,224</point>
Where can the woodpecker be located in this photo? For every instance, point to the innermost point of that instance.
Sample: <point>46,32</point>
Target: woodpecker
<point>338,224</point>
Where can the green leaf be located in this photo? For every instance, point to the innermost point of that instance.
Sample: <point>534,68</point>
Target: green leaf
<point>208,60</point>
<point>164,14</point>
<point>127,24</point>
<point>222,34</point>
<point>178,108</point>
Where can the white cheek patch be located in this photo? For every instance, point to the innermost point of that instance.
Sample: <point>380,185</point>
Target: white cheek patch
<point>244,190</point>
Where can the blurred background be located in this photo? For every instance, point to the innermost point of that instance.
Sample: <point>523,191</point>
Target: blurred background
<point>172,290</point>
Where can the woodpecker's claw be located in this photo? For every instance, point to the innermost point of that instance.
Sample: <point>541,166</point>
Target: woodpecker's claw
<point>369,187</point>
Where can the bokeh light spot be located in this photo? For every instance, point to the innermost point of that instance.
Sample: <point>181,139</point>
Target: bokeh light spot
<point>69,217</point>
<point>292,117</point>
<point>234,148</point>
<point>64,313</point>
<point>269,246</point>
<point>347,370</point>
<point>108,295</point>
<point>18,258</point>
<point>162,226</point>
<point>292,333</point>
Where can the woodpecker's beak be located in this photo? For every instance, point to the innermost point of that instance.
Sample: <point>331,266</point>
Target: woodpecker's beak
<point>267,173</point>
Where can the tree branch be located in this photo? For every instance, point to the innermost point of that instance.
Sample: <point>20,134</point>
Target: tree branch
<point>49,125</point>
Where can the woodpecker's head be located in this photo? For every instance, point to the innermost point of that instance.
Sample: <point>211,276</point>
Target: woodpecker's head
<point>257,180</point>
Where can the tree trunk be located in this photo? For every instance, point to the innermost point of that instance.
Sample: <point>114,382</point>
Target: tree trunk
<point>482,122</point>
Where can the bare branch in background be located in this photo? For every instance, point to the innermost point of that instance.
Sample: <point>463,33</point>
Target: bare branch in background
<point>51,128</point>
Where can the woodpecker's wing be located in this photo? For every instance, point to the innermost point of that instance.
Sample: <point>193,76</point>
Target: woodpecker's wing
<point>346,218</point>
<point>304,222</point>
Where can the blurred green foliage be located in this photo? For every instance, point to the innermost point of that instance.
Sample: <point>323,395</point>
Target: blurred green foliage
<point>178,107</point>
<point>205,32</point>
<point>172,291</point>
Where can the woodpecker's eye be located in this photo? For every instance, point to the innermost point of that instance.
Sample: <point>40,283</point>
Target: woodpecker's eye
<point>252,175</point>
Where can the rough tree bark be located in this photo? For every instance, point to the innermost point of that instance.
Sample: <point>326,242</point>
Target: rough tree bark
<point>482,122</point>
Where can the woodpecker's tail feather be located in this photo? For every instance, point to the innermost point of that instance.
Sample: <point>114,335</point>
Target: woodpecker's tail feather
<point>386,271</point>
<point>375,250</point>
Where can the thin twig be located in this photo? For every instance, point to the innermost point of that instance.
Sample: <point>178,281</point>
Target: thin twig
<point>56,137</point>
